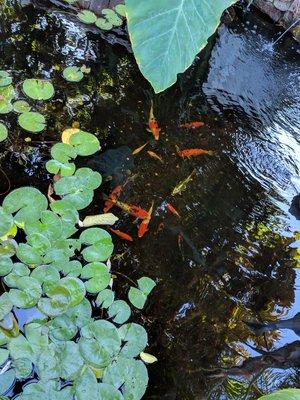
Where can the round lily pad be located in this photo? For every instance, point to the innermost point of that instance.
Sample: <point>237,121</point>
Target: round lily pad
<point>5,106</point>
<point>86,16</point>
<point>85,143</point>
<point>72,74</point>
<point>38,89</point>
<point>104,24</point>
<point>3,132</point>
<point>112,17</point>
<point>5,79</point>
<point>32,121</point>
<point>21,106</point>
<point>121,9</point>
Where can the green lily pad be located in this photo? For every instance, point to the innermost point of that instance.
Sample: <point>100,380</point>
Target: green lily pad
<point>5,107</point>
<point>19,270</point>
<point>23,368</point>
<point>136,339</point>
<point>121,9</point>
<point>21,106</point>
<point>6,265</point>
<point>85,143</point>
<point>104,24</point>
<point>86,386</point>
<point>76,289</point>
<point>38,89</point>
<point>3,132</point>
<point>109,392</point>
<point>62,328</point>
<point>72,74</point>
<point>137,298</point>
<point>101,244</point>
<point>105,298</point>
<point>29,255</point>
<point>57,302</point>
<point>98,277</point>
<point>4,354</point>
<point>32,121</point>
<point>6,381</point>
<point>119,311</point>
<point>6,220</point>
<point>81,314</point>
<point>27,294</point>
<point>5,78</point>
<point>57,167</point>
<point>112,17</point>
<point>5,305</point>
<point>130,374</point>
<point>20,201</point>
<point>86,16</point>
<point>93,353</point>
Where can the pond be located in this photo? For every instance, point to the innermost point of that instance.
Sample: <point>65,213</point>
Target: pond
<point>230,255</point>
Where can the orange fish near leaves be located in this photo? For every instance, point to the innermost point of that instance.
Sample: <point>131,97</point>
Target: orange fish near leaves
<point>122,235</point>
<point>192,125</point>
<point>153,124</point>
<point>144,226</point>
<point>131,209</point>
<point>115,194</point>
<point>186,153</point>
<point>172,210</point>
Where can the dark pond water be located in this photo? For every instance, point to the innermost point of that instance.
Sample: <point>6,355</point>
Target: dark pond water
<point>236,261</point>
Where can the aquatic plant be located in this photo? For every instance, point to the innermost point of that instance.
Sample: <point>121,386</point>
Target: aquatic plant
<point>109,19</point>
<point>60,271</point>
<point>285,394</point>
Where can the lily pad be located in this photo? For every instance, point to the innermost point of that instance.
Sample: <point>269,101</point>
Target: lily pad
<point>121,9</point>
<point>84,143</point>
<point>6,381</point>
<point>72,74</point>
<point>112,17</point>
<point>38,89</point>
<point>86,16</point>
<point>5,107</point>
<point>32,121</point>
<point>285,394</point>
<point>21,106</point>
<point>104,24</point>
<point>119,311</point>
<point>5,78</point>
<point>98,277</point>
<point>28,293</point>
<point>3,132</point>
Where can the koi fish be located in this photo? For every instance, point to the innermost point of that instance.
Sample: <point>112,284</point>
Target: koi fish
<point>139,149</point>
<point>172,210</point>
<point>156,156</point>
<point>131,209</point>
<point>122,235</point>
<point>144,226</point>
<point>115,194</point>
<point>178,189</point>
<point>193,152</point>
<point>153,124</point>
<point>192,125</point>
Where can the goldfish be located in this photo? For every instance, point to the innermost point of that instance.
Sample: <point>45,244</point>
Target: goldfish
<point>115,194</point>
<point>122,235</point>
<point>139,149</point>
<point>156,156</point>
<point>182,185</point>
<point>144,226</point>
<point>131,209</point>
<point>192,125</point>
<point>193,152</point>
<point>153,124</point>
<point>172,209</point>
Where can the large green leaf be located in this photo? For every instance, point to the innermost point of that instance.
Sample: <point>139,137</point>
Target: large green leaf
<point>285,394</point>
<point>167,35</point>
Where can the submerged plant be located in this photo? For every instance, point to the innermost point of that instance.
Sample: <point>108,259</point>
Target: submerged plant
<point>61,272</point>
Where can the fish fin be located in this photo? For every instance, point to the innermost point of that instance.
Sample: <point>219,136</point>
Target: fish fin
<point>149,130</point>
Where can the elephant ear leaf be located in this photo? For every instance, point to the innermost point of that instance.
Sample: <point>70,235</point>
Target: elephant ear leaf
<point>167,35</point>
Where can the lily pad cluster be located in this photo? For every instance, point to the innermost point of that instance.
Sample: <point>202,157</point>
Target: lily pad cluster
<point>35,89</point>
<point>109,19</point>
<point>61,273</point>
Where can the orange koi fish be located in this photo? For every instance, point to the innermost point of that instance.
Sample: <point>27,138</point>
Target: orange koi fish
<point>115,194</point>
<point>144,226</point>
<point>172,210</point>
<point>131,209</point>
<point>153,124</point>
<point>139,149</point>
<point>186,153</point>
<point>122,235</point>
<point>156,156</point>
<point>192,125</point>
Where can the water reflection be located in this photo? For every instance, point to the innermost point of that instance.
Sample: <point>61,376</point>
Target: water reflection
<point>235,263</point>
